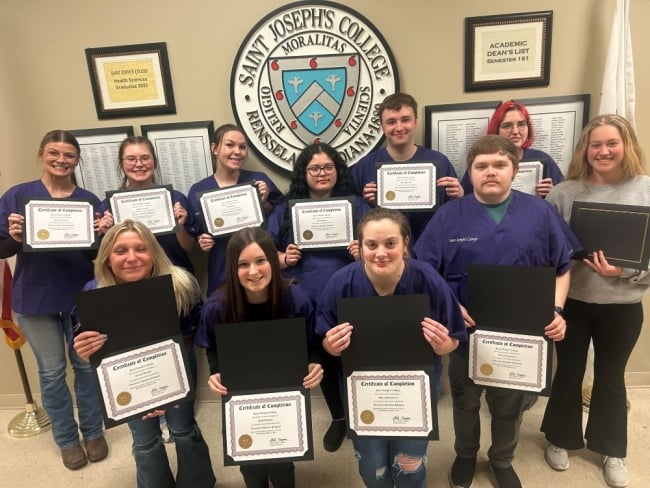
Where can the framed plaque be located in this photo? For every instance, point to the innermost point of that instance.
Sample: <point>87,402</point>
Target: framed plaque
<point>131,81</point>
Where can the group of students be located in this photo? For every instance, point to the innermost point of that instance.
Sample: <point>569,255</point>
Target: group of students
<point>260,274</point>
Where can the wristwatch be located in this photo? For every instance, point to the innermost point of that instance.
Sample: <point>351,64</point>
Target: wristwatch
<point>559,310</point>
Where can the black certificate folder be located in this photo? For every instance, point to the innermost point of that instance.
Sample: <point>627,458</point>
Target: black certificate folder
<point>266,415</point>
<point>622,232</point>
<point>143,365</point>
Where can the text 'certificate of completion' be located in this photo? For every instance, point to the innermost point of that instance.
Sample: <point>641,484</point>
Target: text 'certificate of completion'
<point>142,379</point>
<point>58,224</point>
<point>229,209</point>
<point>153,207</point>
<point>322,223</point>
<point>390,403</point>
<point>406,186</point>
<point>266,426</point>
<point>515,361</point>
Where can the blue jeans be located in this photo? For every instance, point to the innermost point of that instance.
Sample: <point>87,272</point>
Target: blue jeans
<point>48,336</point>
<point>383,462</point>
<point>192,455</point>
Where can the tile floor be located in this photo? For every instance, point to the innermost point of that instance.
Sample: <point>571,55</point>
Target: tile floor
<point>35,462</point>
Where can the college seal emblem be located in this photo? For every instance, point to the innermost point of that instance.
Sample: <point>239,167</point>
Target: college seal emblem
<point>312,71</point>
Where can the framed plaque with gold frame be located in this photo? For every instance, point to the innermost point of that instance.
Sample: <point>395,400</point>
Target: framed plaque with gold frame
<point>131,80</point>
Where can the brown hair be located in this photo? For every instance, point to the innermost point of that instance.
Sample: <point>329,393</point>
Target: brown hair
<point>129,141</point>
<point>235,295</point>
<point>491,144</point>
<point>381,213</point>
<point>397,101</point>
<point>59,135</point>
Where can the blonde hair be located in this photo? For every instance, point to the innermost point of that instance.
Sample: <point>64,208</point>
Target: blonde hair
<point>186,288</point>
<point>633,165</point>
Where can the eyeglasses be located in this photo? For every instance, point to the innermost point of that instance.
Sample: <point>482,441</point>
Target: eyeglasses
<point>327,169</point>
<point>521,125</point>
<point>70,157</point>
<point>131,160</point>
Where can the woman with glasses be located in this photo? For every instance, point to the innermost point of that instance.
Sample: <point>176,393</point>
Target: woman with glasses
<point>138,164</point>
<point>512,121</point>
<point>319,172</point>
<point>230,150</point>
<point>44,287</point>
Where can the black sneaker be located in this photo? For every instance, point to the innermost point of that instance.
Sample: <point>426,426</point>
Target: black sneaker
<point>506,477</point>
<point>334,436</point>
<point>462,472</point>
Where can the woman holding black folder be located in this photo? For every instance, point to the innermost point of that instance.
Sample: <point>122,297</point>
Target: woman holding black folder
<point>254,291</point>
<point>604,304</point>
<point>385,269</point>
<point>130,252</point>
<point>319,172</point>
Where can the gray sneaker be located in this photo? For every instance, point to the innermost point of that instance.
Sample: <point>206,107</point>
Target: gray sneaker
<point>557,458</point>
<point>615,471</point>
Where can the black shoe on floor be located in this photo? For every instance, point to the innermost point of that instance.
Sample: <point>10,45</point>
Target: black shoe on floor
<point>506,477</point>
<point>334,436</point>
<point>462,472</point>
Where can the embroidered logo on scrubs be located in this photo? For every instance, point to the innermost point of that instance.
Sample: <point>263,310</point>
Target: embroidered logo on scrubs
<point>312,71</point>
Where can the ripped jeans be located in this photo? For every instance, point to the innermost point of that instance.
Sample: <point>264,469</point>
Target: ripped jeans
<point>388,463</point>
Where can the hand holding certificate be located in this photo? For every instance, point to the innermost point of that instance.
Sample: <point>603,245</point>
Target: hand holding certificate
<point>58,224</point>
<point>153,207</point>
<point>406,186</point>
<point>322,223</point>
<point>229,209</point>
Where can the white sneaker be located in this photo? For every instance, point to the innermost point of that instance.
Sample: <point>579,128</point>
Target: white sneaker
<point>557,458</point>
<point>166,434</point>
<point>615,471</point>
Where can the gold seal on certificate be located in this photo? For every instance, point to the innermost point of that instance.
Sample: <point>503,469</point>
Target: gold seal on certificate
<point>487,369</point>
<point>406,186</point>
<point>367,417</point>
<point>43,234</point>
<point>218,222</point>
<point>322,223</point>
<point>245,441</point>
<point>123,398</point>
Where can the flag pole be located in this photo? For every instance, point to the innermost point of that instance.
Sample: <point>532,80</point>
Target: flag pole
<point>33,420</point>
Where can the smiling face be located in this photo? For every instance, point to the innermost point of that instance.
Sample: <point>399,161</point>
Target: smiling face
<point>605,154</point>
<point>254,273</point>
<point>399,126</point>
<point>130,259</point>
<point>320,174</point>
<point>383,248</point>
<point>138,165</point>
<point>491,176</point>
<point>231,151</point>
<point>59,159</point>
<point>514,127</point>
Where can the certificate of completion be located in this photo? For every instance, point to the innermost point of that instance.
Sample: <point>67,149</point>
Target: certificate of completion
<point>406,186</point>
<point>153,207</point>
<point>142,379</point>
<point>265,426</point>
<point>530,173</point>
<point>322,223</point>
<point>514,361</point>
<point>59,224</point>
<point>390,403</point>
<point>229,209</point>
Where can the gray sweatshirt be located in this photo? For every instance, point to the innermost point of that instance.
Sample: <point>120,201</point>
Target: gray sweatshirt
<point>586,285</point>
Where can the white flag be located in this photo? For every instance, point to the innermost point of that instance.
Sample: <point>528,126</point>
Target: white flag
<point>618,93</point>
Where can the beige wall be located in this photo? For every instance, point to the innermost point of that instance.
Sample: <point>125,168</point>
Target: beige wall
<point>44,80</point>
